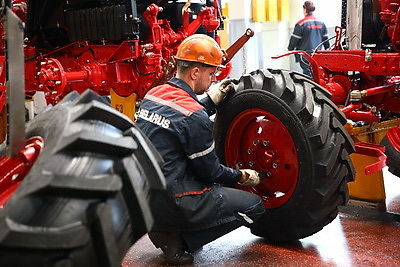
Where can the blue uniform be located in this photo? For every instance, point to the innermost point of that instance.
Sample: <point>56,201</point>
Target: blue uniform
<point>307,34</point>
<point>178,125</point>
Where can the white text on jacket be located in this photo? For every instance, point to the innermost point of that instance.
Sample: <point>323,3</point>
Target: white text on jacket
<point>153,117</point>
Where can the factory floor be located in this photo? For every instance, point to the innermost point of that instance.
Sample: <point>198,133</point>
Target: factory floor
<point>357,237</point>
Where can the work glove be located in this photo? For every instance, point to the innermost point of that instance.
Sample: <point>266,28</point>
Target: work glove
<point>220,91</point>
<point>250,178</point>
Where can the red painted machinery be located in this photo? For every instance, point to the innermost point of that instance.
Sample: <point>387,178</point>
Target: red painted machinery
<point>362,73</point>
<point>116,47</point>
<point>98,44</point>
<point>365,81</point>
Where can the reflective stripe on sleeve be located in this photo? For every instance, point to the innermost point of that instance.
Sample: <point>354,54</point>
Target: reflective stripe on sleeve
<point>297,36</point>
<point>202,153</point>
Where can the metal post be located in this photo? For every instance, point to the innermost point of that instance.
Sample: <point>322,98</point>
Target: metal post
<point>354,23</point>
<point>15,83</point>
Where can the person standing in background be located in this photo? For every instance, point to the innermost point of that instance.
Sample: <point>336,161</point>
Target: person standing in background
<point>307,35</point>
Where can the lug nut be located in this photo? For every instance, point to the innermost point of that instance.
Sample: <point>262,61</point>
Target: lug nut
<point>265,143</point>
<point>275,165</point>
<point>250,151</point>
<point>256,142</point>
<point>252,163</point>
<point>238,165</point>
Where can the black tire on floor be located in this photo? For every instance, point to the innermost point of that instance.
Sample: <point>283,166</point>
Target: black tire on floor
<point>323,146</point>
<point>393,157</point>
<point>85,200</point>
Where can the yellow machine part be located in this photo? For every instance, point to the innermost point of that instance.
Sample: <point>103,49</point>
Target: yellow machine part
<point>124,104</point>
<point>368,190</point>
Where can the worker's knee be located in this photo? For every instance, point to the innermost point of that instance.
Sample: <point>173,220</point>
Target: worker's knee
<point>246,206</point>
<point>253,212</point>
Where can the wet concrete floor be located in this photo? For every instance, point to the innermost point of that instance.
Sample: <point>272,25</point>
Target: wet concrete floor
<point>354,238</point>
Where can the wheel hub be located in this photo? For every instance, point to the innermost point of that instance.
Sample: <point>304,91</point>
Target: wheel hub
<point>258,140</point>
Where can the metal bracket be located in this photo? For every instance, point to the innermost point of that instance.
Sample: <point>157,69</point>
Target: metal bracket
<point>373,150</point>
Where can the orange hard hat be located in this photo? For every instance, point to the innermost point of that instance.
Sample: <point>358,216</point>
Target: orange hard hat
<point>200,48</point>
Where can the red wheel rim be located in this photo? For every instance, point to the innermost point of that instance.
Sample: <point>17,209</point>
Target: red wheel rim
<point>258,140</point>
<point>393,136</point>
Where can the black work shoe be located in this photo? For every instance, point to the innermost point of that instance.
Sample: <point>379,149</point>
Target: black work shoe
<point>171,245</point>
<point>180,258</point>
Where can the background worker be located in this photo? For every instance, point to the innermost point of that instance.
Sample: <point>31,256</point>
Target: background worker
<point>307,35</point>
<point>195,209</point>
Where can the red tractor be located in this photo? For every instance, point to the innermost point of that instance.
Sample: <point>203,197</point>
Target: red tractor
<point>81,184</point>
<point>362,74</point>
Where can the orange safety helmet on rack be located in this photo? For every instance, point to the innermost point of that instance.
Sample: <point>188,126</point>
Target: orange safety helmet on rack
<point>200,48</point>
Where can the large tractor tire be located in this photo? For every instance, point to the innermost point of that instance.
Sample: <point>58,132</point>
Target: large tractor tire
<point>392,150</point>
<point>284,125</point>
<point>85,200</point>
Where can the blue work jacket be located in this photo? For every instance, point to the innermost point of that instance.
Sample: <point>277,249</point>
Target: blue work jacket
<point>178,125</point>
<point>308,34</point>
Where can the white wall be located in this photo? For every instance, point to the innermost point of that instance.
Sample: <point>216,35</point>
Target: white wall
<point>328,11</point>
<point>272,38</point>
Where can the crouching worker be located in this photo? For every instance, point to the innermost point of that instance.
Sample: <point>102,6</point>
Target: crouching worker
<point>195,208</point>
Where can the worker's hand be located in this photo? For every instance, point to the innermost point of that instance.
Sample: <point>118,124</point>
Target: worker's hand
<point>250,178</point>
<point>220,91</point>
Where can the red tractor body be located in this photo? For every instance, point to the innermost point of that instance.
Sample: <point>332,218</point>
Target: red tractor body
<point>116,46</point>
<point>365,81</point>
<point>362,73</point>
<point>92,44</point>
